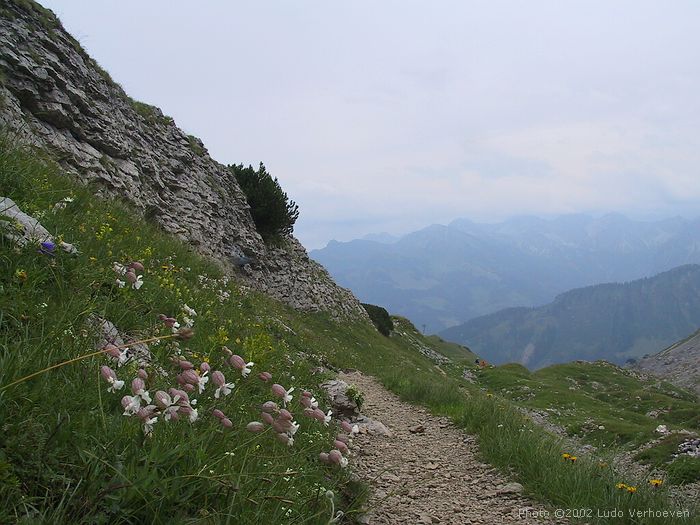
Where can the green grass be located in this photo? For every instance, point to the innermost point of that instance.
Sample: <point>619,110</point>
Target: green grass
<point>68,455</point>
<point>582,397</point>
<point>452,350</point>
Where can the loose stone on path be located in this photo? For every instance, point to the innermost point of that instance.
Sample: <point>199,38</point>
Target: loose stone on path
<point>427,470</point>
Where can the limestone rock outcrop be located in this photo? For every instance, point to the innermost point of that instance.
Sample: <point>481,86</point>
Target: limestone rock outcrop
<point>53,95</point>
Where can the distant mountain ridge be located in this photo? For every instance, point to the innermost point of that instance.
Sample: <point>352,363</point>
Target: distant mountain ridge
<point>441,276</point>
<point>611,321</point>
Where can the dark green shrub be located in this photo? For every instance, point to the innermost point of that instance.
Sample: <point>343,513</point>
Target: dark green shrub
<point>380,317</point>
<point>273,213</point>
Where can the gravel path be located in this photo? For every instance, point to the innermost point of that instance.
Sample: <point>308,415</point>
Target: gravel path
<point>428,471</point>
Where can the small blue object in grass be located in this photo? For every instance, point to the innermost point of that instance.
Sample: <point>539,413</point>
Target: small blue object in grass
<point>47,248</point>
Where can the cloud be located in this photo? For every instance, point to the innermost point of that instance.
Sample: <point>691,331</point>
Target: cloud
<point>390,116</point>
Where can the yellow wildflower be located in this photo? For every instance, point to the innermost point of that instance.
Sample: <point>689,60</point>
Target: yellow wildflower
<point>566,456</point>
<point>21,275</point>
<point>573,459</point>
<point>621,486</point>
<point>631,490</point>
<point>656,482</point>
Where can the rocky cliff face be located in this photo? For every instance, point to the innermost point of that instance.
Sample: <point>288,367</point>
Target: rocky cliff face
<point>53,95</point>
<point>679,363</point>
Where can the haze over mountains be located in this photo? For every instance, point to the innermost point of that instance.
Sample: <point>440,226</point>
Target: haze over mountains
<point>612,321</point>
<point>441,276</point>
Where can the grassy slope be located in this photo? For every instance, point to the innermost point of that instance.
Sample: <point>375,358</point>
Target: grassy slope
<point>85,462</point>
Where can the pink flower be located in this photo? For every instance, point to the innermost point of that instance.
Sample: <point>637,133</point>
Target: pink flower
<point>255,426</point>
<point>143,374</point>
<point>121,355</point>
<point>238,363</point>
<point>111,377</point>
<point>227,422</point>
<point>285,414</point>
<point>309,412</point>
<point>219,380</point>
<point>265,376</point>
<point>204,367</point>
<point>267,418</point>
<point>285,395</point>
<point>218,413</point>
<point>137,266</point>
<point>341,446</point>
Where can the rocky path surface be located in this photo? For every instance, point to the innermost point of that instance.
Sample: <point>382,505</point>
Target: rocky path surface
<point>428,471</point>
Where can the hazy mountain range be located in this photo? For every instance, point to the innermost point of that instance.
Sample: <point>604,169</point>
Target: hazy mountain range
<point>612,321</point>
<point>441,276</point>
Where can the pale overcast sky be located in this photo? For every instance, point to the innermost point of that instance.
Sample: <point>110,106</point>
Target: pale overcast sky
<point>391,115</point>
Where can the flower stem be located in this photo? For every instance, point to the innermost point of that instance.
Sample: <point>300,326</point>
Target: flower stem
<point>84,356</point>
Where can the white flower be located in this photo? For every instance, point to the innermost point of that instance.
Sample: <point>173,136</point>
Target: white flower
<point>134,405</point>
<point>176,327</point>
<point>148,425</point>
<point>120,269</point>
<point>293,429</point>
<point>189,311</point>
<point>189,322</point>
<point>120,283</point>
<point>138,283</point>
<point>314,403</point>
<point>224,389</point>
<point>115,384</point>
<point>343,462</point>
<point>327,419</point>
<point>202,381</point>
<point>287,395</point>
<point>193,415</point>
<point>355,430</point>
<point>290,441</point>
<point>246,369</point>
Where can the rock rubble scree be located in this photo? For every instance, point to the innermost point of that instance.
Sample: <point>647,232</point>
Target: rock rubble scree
<point>422,469</point>
<point>54,96</point>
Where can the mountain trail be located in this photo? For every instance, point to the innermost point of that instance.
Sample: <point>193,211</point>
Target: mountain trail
<point>428,471</point>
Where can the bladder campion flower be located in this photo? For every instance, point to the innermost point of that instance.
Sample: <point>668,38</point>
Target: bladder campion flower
<point>219,380</point>
<point>111,377</point>
<point>280,392</point>
<point>239,363</point>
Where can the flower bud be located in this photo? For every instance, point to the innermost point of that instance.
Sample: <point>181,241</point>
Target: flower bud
<point>278,390</point>
<point>131,276</point>
<point>237,362</point>
<point>341,446</point>
<point>162,399</point>
<point>143,374</point>
<point>285,414</point>
<point>270,406</point>
<point>335,456</point>
<point>137,385</point>
<point>218,378</point>
<point>255,426</point>
<point>190,376</point>
<point>204,367</point>
<point>188,387</point>
<point>107,373</point>
<point>323,457</point>
<point>137,266</point>
<point>112,351</point>
<point>267,418</point>
<point>346,426</point>
<point>265,376</point>
<point>218,413</point>
<point>227,422</point>
<point>185,365</point>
